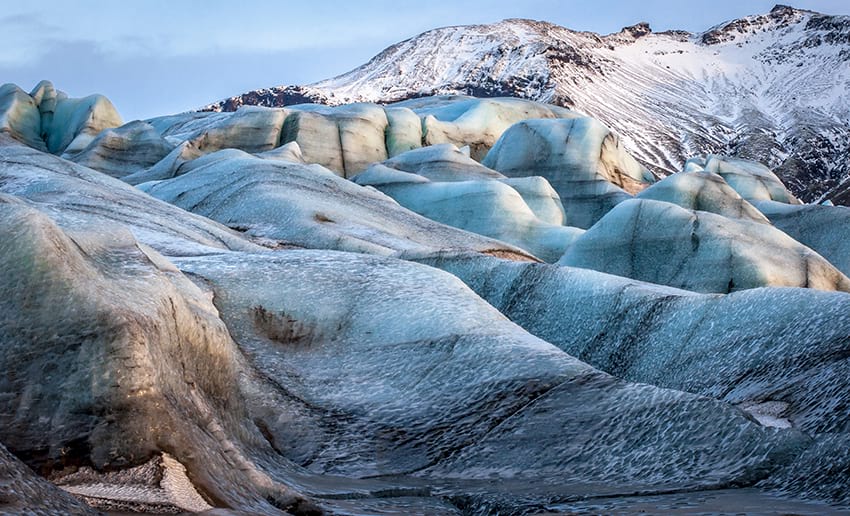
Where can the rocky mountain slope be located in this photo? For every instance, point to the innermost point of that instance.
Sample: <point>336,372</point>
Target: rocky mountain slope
<point>773,88</point>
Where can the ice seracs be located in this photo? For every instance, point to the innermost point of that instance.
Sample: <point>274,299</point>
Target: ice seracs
<point>660,242</point>
<point>825,229</point>
<point>19,116</point>
<point>124,150</point>
<point>345,139</point>
<point>122,357</point>
<point>752,180</point>
<point>441,162</point>
<point>250,129</point>
<point>782,346</point>
<point>477,123</point>
<point>581,159</point>
<point>387,348</point>
<point>703,191</point>
<point>76,196</point>
<point>308,206</point>
<point>49,119</point>
<point>169,166</point>
<point>488,207</point>
<point>445,162</point>
<point>23,491</point>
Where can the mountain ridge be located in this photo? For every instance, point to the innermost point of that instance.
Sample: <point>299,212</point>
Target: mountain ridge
<point>769,87</point>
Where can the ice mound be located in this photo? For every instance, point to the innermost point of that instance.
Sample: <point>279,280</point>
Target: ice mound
<point>308,206</point>
<point>46,119</point>
<point>660,242</point>
<point>754,181</point>
<point>488,207</point>
<point>703,191</point>
<point>583,161</point>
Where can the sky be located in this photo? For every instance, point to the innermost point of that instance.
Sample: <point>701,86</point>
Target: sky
<point>157,57</point>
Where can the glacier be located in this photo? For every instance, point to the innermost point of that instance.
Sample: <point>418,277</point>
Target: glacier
<point>446,305</point>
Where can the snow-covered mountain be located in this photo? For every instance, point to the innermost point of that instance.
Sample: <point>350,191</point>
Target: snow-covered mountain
<point>773,87</point>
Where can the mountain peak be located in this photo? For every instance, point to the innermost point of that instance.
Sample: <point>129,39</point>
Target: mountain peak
<point>637,30</point>
<point>525,21</point>
<point>787,12</point>
<point>780,17</point>
<point>781,8</point>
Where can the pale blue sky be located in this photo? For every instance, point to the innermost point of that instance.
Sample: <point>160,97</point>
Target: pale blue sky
<point>157,57</point>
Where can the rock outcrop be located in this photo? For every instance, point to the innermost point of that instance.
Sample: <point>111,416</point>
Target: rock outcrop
<point>669,95</point>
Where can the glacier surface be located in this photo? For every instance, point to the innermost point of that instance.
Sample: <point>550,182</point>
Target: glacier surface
<point>313,309</point>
